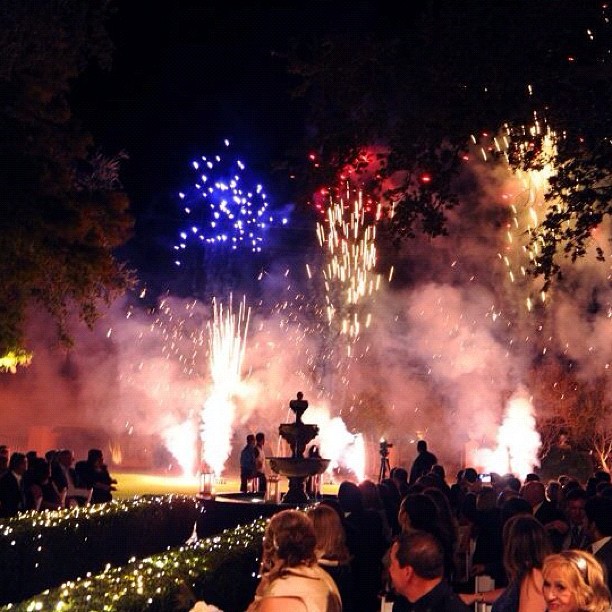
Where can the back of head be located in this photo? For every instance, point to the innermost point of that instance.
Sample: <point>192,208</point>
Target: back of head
<point>439,471</point>
<point>598,510</point>
<point>526,545</point>
<point>399,474</point>
<point>329,531</point>
<point>419,511</point>
<point>486,499</point>
<point>423,552</point>
<point>534,492</point>
<point>40,469</point>
<point>514,506</point>
<point>602,476</point>
<point>421,446</point>
<point>470,475</point>
<point>260,437</point>
<point>349,497</point>
<point>514,483</point>
<point>290,538</point>
<point>94,454</point>
<point>65,456</point>
<point>583,576</point>
<point>16,460</point>
<point>370,495</point>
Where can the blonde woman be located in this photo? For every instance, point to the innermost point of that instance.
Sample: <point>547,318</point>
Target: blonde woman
<point>291,579</point>
<point>332,553</point>
<point>574,581</point>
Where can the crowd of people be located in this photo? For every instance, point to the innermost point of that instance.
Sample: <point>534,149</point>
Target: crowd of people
<point>413,542</point>
<point>409,543</point>
<point>53,481</point>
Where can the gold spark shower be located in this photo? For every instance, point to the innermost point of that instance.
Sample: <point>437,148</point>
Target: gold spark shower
<point>227,333</point>
<point>349,239</point>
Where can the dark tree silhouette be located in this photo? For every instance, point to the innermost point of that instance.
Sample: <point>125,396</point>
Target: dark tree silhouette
<point>63,209</point>
<point>418,87</point>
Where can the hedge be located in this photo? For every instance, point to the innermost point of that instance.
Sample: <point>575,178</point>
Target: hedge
<point>221,570</point>
<point>40,550</point>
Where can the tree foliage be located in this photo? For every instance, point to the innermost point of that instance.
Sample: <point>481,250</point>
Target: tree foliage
<point>63,210</point>
<point>574,408</point>
<point>420,89</point>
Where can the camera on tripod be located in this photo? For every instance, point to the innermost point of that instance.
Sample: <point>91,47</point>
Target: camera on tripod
<point>384,448</point>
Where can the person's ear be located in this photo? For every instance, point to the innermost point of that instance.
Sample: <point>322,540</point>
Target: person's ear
<point>408,573</point>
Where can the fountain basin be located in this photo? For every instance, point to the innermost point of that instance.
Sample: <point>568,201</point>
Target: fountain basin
<point>298,467</point>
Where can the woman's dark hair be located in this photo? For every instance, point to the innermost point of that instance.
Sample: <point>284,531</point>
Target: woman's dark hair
<point>526,545</point>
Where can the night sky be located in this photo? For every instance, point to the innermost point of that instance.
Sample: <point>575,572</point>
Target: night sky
<point>184,78</point>
<point>451,341</point>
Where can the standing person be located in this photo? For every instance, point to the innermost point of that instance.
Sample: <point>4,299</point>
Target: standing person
<point>12,498</point>
<point>291,578</point>
<point>424,461</point>
<point>574,582</point>
<point>260,461</point>
<point>416,570</point>
<point>247,463</point>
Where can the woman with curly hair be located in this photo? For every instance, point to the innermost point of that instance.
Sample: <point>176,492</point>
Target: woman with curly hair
<point>574,581</point>
<point>291,579</point>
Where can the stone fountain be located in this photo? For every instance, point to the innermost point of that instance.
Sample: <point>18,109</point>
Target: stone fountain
<point>298,468</point>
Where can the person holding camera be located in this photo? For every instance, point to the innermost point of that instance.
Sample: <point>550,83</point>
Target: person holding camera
<point>423,463</point>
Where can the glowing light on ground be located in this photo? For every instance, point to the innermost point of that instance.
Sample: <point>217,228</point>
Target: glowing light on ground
<point>227,333</point>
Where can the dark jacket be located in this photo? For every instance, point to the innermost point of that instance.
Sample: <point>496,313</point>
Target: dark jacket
<point>12,499</point>
<point>424,461</point>
<point>442,598</point>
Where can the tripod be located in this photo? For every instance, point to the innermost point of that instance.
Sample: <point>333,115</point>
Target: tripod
<point>385,468</point>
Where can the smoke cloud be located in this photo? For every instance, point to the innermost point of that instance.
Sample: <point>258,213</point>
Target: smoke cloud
<point>452,340</point>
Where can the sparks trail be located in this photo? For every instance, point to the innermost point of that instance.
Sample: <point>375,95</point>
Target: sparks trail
<point>227,333</point>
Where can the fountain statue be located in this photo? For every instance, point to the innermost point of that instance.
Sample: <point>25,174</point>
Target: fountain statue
<point>298,468</point>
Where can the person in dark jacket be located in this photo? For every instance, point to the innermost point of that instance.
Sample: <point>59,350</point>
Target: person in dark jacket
<point>12,497</point>
<point>423,463</point>
<point>416,570</point>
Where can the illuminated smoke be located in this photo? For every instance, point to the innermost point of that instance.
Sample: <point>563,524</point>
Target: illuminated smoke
<point>227,340</point>
<point>518,441</point>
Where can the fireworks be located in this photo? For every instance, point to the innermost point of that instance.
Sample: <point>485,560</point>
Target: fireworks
<point>225,206</point>
<point>527,203</point>
<point>227,341</point>
<point>350,280</point>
